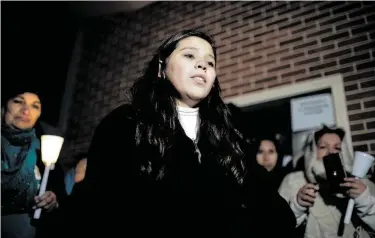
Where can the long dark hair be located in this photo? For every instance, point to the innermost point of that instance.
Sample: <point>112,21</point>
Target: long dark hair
<point>278,148</point>
<point>154,99</point>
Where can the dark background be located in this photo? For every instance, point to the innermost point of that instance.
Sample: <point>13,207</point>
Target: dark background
<point>37,40</point>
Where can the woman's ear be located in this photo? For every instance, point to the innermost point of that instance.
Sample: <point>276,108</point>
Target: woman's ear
<point>161,70</point>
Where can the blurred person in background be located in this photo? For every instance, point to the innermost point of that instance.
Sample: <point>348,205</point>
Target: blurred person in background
<point>319,208</point>
<point>270,156</point>
<point>22,167</point>
<point>76,173</point>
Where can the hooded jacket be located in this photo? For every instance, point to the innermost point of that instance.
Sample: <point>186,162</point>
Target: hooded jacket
<point>324,217</point>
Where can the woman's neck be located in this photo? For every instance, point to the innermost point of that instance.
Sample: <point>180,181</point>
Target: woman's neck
<point>189,120</point>
<point>186,104</point>
<point>188,110</point>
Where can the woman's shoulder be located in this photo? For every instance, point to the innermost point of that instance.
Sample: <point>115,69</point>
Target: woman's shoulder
<point>124,111</point>
<point>299,175</point>
<point>119,115</point>
<point>121,119</point>
<point>293,181</point>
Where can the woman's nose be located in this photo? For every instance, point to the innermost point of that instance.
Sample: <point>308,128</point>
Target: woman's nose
<point>331,150</point>
<point>201,64</point>
<point>26,110</point>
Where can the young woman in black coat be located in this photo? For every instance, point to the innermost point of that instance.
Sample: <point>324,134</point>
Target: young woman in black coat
<point>172,163</point>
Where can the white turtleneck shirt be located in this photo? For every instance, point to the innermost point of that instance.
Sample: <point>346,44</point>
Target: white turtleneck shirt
<point>189,120</point>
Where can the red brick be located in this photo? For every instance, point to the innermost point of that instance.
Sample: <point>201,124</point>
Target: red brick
<point>271,43</point>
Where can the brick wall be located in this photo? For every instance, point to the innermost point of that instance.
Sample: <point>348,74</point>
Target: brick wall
<point>261,45</point>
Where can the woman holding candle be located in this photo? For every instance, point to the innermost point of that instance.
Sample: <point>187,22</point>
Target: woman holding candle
<point>21,165</point>
<point>319,205</point>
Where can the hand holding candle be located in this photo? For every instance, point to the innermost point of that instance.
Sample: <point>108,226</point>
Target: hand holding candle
<point>51,146</point>
<point>47,201</point>
<point>362,163</point>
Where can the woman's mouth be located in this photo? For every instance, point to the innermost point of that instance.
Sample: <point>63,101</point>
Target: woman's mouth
<point>199,80</point>
<point>24,119</point>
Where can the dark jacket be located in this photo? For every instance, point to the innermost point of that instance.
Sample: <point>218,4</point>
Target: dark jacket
<point>121,193</point>
<point>47,222</point>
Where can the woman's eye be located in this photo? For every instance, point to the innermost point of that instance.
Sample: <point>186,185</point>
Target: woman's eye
<point>36,107</point>
<point>17,101</point>
<point>190,56</point>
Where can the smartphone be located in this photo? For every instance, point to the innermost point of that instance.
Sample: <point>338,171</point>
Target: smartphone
<point>335,172</point>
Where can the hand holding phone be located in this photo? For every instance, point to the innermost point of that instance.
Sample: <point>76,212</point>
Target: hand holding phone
<point>307,194</point>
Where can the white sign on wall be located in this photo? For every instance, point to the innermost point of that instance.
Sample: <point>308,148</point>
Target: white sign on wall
<point>312,111</point>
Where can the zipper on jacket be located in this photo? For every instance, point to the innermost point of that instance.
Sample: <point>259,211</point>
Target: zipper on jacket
<point>197,151</point>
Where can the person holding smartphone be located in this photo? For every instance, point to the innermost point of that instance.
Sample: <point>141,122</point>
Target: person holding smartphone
<point>318,195</point>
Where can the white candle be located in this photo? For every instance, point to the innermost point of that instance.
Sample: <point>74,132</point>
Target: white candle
<point>51,146</point>
<point>362,164</point>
